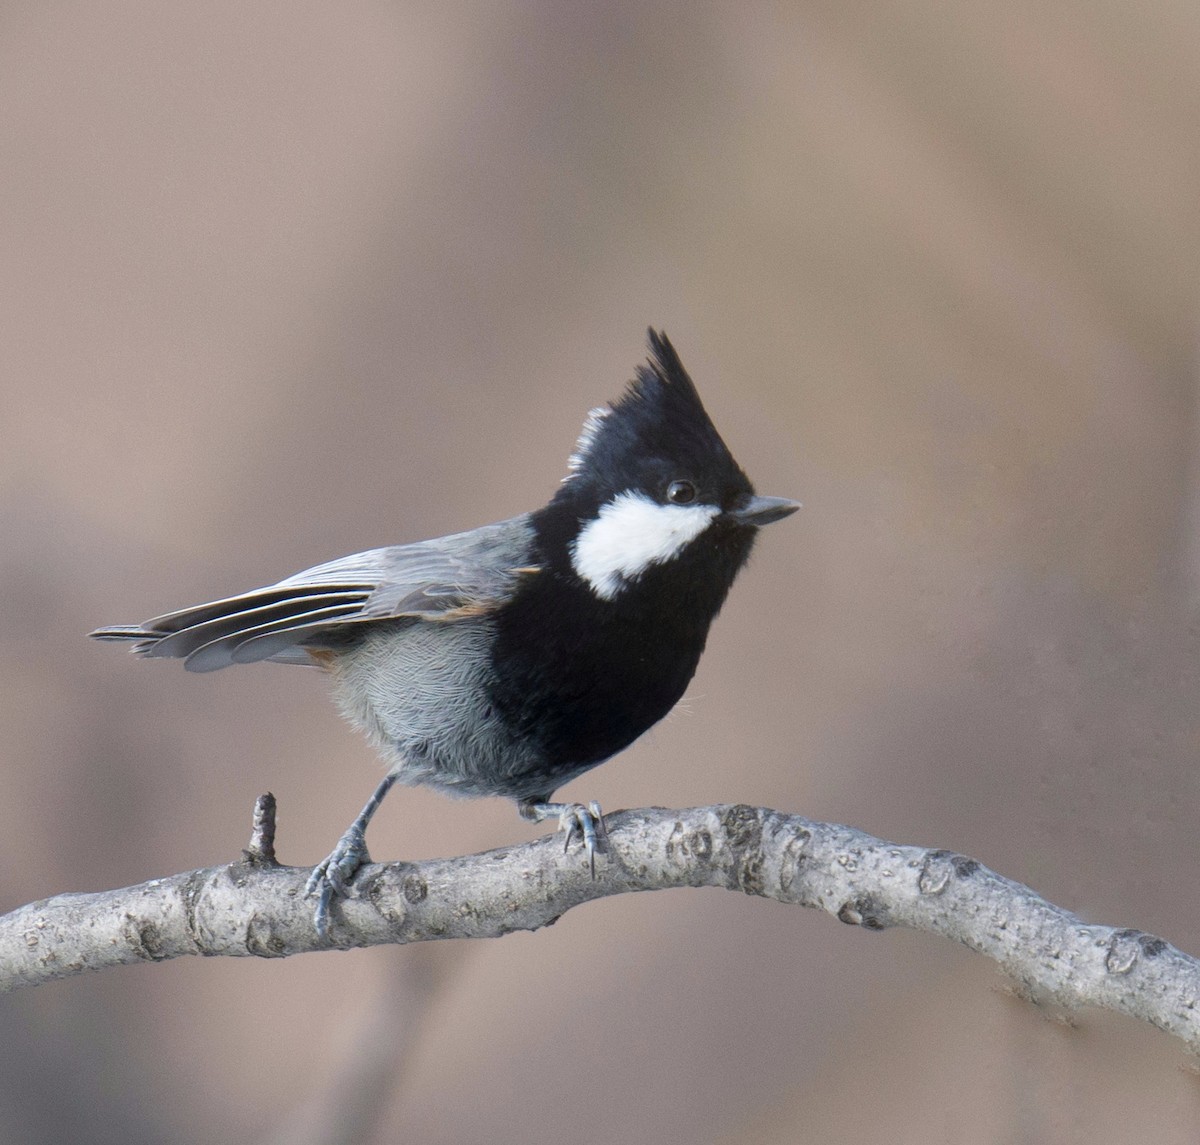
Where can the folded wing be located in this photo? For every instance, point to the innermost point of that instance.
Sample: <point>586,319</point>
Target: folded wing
<point>442,580</point>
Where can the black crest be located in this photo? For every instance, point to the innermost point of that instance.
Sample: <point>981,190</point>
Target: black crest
<point>659,422</point>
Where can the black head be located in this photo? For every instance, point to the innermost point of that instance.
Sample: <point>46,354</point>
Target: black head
<point>656,433</point>
<point>652,486</point>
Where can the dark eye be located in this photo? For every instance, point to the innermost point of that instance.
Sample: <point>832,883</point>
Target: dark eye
<point>681,492</point>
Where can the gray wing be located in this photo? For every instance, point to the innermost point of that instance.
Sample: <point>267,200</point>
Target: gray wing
<point>446,579</point>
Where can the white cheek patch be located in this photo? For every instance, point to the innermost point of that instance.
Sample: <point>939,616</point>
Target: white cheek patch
<point>631,534</point>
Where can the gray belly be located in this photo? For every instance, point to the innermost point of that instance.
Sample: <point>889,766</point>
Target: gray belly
<point>416,689</point>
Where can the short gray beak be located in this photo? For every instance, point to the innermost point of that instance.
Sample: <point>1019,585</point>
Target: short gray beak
<point>763,510</point>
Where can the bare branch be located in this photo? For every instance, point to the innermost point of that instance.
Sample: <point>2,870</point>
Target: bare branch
<point>257,907</point>
<point>261,851</point>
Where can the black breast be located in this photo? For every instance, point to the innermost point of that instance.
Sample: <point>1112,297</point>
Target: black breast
<point>582,678</point>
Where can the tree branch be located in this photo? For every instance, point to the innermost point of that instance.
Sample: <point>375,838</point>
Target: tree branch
<point>257,907</point>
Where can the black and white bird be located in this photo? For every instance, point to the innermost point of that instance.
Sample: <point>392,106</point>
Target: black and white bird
<point>512,658</point>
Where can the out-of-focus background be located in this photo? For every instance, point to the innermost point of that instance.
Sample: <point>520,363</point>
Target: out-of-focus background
<point>280,282</point>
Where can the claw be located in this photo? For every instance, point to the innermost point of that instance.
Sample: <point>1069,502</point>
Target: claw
<point>332,876</point>
<point>575,820</point>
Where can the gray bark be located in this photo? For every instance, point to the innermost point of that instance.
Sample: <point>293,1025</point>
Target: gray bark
<point>257,907</point>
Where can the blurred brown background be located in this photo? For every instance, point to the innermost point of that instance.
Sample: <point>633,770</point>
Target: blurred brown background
<point>284,281</point>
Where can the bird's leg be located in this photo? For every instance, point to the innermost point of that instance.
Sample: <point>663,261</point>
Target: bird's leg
<point>586,821</point>
<point>332,875</point>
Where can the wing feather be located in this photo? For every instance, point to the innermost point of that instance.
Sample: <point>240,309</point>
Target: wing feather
<point>239,646</point>
<point>446,579</point>
<point>197,633</point>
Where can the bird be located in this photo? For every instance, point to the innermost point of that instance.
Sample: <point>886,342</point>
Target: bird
<point>512,658</point>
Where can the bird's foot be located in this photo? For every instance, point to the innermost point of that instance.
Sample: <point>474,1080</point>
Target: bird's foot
<point>585,821</point>
<point>332,875</point>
